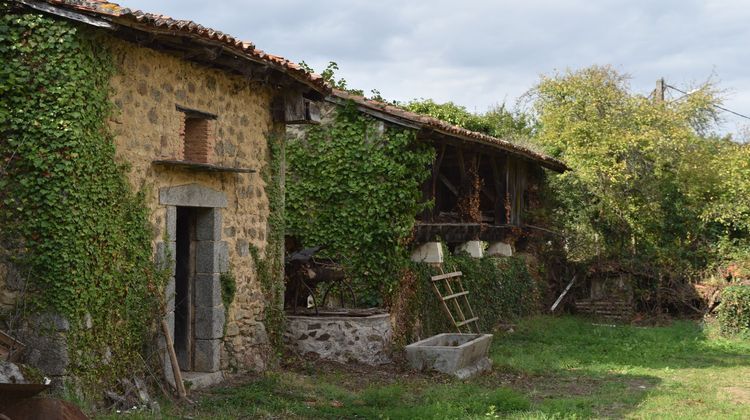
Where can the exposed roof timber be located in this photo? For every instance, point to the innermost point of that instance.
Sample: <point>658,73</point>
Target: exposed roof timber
<point>104,14</point>
<point>377,114</point>
<point>428,126</point>
<point>79,17</point>
<point>211,54</point>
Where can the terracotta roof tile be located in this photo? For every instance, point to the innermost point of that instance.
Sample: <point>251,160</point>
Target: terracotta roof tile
<point>118,14</point>
<point>454,130</point>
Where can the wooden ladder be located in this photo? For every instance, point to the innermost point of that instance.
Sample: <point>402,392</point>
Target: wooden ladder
<point>458,299</point>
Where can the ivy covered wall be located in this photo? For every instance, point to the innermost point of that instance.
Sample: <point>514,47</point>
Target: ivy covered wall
<point>353,186</point>
<point>72,227</point>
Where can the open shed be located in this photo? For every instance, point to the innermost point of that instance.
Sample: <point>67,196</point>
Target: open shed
<point>480,184</point>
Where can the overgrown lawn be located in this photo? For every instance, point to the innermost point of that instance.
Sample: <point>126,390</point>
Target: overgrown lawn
<point>547,368</point>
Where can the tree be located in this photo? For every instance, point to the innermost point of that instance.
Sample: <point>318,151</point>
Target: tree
<point>639,185</point>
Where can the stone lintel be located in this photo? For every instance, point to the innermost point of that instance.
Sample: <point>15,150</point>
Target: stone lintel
<point>192,195</point>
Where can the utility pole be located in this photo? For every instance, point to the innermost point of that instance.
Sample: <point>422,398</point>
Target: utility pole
<point>661,86</point>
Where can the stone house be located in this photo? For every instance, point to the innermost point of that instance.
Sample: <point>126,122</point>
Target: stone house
<point>195,111</point>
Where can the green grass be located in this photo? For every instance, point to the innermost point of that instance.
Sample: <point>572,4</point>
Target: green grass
<point>548,368</point>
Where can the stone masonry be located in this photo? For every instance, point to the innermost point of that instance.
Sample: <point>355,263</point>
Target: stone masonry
<point>147,89</point>
<point>342,338</point>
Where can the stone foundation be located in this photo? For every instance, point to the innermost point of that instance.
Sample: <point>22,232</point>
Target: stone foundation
<point>363,339</point>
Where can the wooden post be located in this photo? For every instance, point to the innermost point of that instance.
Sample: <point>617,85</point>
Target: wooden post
<point>661,86</point>
<point>173,358</point>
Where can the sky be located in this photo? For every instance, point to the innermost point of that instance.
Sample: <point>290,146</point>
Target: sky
<point>479,53</point>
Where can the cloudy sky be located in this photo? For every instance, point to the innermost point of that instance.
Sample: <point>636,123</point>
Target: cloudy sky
<point>481,52</point>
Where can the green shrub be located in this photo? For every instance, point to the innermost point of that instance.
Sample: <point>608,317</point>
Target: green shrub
<point>734,311</point>
<point>500,290</point>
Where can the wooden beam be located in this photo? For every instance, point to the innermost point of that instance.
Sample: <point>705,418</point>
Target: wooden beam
<point>448,184</point>
<point>79,17</point>
<point>499,204</point>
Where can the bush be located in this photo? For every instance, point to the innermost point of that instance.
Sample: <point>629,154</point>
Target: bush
<point>500,290</point>
<point>734,311</point>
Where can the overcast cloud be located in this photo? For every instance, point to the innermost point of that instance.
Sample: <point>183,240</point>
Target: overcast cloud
<point>479,53</point>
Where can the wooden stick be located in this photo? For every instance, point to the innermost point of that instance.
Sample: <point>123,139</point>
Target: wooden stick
<point>562,295</point>
<point>173,358</point>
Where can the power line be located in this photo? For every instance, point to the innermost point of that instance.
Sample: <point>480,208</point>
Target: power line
<point>714,105</point>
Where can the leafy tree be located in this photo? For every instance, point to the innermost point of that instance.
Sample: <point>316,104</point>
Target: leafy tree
<point>648,185</point>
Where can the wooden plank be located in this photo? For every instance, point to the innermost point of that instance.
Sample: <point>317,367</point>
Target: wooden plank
<point>89,20</point>
<point>198,166</point>
<point>443,305</point>
<point>455,295</point>
<point>562,295</point>
<point>499,204</point>
<point>449,184</point>
<point>447,276</point>
<point>468,321</point>
<point>468,304</point>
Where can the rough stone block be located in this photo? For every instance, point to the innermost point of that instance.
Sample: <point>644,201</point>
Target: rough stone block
<point>165,256</point>
<point>208,225</point>
<point>430,252</point>
<point>207,290</point>
<point>223,256</point>
<point>209,322</point>
<point>49,322</point>
<point>474,248</point>
<point>207,356</point>
<point>192,195</point>
<point>171,222</point>
<point>242,247</point>
<point>500,249</point>
<point>46,351</point>
<point>169,293</point>
<point>169,317</point>
<point>207,257</point>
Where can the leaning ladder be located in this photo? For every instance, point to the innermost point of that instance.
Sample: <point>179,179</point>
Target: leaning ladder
<point>458,299</point>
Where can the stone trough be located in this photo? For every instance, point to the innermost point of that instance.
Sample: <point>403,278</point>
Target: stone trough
<point>461,355</point>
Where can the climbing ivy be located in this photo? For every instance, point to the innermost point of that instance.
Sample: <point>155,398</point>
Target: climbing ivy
<point>354,187</point>
<point>69,217</point>
<point>501,290</point>
<point>270,267</point>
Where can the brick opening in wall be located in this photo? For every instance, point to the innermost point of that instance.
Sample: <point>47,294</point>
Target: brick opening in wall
<point>197,135</point>
<point>197,140</point>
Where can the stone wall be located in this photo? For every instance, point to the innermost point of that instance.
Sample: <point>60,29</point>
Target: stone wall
<point>342,338</point>
<point>147,126</point>
<point>147,88</point>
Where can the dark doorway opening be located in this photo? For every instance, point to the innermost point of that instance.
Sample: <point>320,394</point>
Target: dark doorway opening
<point>184,309</point>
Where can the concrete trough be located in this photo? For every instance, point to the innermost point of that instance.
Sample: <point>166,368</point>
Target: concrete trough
<point>461,355</point>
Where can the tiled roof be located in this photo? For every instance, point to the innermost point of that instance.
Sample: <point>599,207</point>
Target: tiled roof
<point>155,22</point>
<point>424,121</point>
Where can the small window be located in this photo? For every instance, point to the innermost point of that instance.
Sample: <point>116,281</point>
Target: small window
<point>197,135</point>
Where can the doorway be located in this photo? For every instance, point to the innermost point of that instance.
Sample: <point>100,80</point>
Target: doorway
<point>184,309</point>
